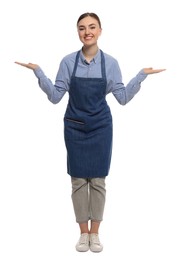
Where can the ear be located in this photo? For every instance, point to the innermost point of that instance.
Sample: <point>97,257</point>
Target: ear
<point>100,31</point>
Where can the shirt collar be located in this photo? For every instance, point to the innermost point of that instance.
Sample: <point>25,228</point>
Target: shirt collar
<point>96,59</point>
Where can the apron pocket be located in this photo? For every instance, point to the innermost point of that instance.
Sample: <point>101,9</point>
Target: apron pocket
<point>74,129</point>
<point>75,121</point>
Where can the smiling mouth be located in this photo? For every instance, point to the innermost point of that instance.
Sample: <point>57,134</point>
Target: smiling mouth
<point>88,38</point>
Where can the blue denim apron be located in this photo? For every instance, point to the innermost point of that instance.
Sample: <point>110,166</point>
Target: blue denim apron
<point>88,126</point>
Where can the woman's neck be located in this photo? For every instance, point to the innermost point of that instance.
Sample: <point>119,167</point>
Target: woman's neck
<point>89,52</point>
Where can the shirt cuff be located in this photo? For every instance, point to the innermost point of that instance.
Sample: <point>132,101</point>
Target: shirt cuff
<point>141,76</point>
<point>39,73</point>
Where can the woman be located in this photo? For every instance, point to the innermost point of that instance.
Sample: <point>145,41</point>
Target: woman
<point>88,75</point>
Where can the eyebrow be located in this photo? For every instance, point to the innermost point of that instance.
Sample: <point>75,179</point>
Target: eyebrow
<point>80,26</point>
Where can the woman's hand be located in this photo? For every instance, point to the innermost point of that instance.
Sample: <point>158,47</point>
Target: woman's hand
<point>28,65</point>
<point>152,71</point>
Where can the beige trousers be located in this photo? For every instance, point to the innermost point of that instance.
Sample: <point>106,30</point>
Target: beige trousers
<point>88,197</point>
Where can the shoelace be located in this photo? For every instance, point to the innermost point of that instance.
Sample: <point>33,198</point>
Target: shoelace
<point>95,239</point>
<point>83,239</point>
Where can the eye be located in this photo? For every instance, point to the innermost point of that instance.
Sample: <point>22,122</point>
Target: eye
<point>81,28</point>
<point>92,27</point>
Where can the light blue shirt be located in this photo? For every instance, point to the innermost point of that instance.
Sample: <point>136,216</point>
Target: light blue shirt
<point>56,91</point>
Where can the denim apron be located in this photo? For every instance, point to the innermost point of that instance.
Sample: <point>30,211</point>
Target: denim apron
<point>88,126</point>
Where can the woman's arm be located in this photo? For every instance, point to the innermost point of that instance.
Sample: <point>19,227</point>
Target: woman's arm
<point>123,93</point>
<point>54,93</point>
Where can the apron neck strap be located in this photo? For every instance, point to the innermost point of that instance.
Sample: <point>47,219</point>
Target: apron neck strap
<point>103,69</point>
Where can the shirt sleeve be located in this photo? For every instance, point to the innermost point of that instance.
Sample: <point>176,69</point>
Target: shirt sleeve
<point>56,91</point>
<point>123,93</point>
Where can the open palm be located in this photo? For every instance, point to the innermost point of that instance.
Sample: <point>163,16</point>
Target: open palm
<point>28,65</point>
<point>152,71</point>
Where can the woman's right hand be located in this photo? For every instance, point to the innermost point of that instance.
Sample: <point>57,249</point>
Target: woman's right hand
<point>28,65</point>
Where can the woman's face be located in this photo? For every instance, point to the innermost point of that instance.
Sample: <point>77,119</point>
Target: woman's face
<point>88,30</point>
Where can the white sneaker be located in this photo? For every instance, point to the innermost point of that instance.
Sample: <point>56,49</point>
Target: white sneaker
<point>95,245</point>
<point>83,243</point>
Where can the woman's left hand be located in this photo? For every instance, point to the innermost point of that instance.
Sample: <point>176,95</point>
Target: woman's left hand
<point>152,71</point>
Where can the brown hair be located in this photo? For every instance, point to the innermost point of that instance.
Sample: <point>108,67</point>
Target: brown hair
<point>93,15</point>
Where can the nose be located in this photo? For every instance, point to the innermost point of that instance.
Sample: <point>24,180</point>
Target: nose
<point>87,30</point>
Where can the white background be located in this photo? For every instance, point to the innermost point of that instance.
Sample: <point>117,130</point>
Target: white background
<point>36,214</point>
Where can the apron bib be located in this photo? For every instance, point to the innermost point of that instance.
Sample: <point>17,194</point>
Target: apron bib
<point>88,126</point>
